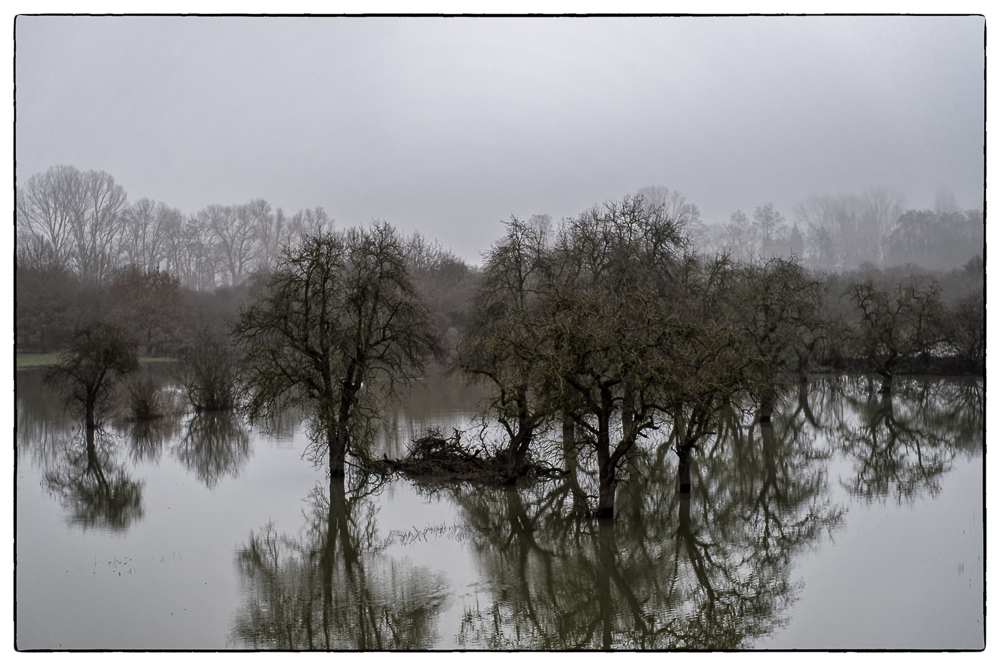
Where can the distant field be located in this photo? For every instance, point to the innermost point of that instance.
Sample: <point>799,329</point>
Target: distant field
<point>34,360</point>
<point>38,360</point>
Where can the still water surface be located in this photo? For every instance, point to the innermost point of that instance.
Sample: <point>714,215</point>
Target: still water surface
<point>851,522</point>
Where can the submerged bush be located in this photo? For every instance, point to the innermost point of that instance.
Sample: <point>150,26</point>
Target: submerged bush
<point>208,373</point>
<point>143,398</point>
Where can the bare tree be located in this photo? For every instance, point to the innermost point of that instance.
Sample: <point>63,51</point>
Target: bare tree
<point>896,325</point>
<point>774,304</point>
<point>849,230</point>
<point>190,254</point>
<point>676,206</point>
<point>880,212</point>
<point>270,232</point>
<point>816,215</point>
<point>146,232</point>
<point>339,327</point>
<point>504,340</point>
<point>607,319</point>
<point>945,201</point>
<point>771,230</point>
<point>97,228</point>
<point>308,222</point>
<point>99,355</point>
<point>232,232</point>
<point>47,207</point>
<point>742,240</point>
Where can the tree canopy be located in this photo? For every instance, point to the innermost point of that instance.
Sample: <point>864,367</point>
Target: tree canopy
<point>338,326</point>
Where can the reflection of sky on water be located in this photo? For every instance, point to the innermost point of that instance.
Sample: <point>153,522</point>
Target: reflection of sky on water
<point>895,574</point>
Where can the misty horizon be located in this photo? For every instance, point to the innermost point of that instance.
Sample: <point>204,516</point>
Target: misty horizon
<point>448,126</point>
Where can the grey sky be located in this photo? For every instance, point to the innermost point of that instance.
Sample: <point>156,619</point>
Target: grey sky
<point>448,126</point>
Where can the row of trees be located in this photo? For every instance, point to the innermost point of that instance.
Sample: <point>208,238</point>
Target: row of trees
<point>847,232</point>
<point>82,221</point>
<point>611,328</point>
<point>899,446</point>
<point>606,327</point>
<point>165,318</point>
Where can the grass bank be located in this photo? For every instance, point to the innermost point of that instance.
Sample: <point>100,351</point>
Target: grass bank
<point>26,360</point>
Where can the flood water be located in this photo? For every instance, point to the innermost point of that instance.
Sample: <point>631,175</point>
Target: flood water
<point>851,522</point>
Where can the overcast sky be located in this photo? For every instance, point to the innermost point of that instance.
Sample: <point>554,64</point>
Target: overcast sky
<point>450,125</point>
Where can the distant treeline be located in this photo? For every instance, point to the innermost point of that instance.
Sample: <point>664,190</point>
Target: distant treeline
<point>84,253</point>
<point>840,233</point>
<point>83,222</point>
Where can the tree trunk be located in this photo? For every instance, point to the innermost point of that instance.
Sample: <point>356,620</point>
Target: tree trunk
<point>515,458</point>
<point>804,368</point>
<point>93,464</point>
<point>768,447</point>
<point>605,564</point>
<point>517,451</point>
<point>607,483</point>
<point>338,436</point>
<point>511,465</point>
<point>886,383</point>
<point>337,441</point>
<point>91,420</point>
<point>766,405</point>
<point>580,507</point>
<point>684,469</point>
<point>606,492</point>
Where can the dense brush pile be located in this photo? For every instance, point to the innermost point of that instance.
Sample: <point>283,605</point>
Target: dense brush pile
<point>433,456</point>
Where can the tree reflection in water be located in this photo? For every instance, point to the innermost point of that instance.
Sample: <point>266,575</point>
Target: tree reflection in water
<point>94,487</point>
<point>901,445</point>
<point>334,587</point>
<point>710,570</point>
<point>44,425</point>
<point>146,439</point>
<point>713,570</point>
<point>215,444</point>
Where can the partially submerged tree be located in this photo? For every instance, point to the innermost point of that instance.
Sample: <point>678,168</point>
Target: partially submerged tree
<point>208,372</point>
<point>98,357</point>
<point>503,343</point>
<point>709,367</point>
<point>338,326</point>
<point>967,331</point>
<point>607,317</point>
<point>775,305</point>
<point>896,325</point>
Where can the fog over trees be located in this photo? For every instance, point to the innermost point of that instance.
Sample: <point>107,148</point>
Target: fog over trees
<point>633,318</point>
